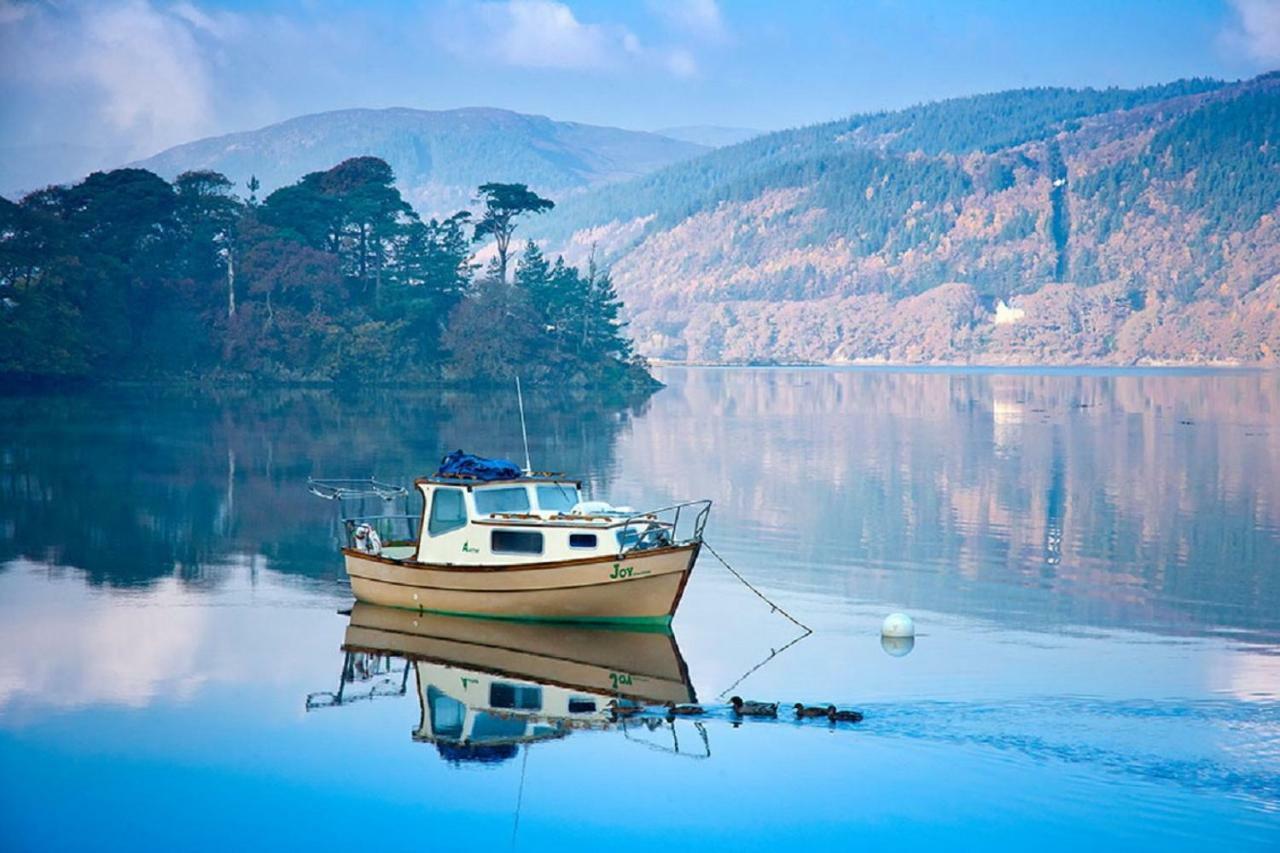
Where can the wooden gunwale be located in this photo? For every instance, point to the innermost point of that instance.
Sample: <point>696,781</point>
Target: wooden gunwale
<point>585,522</point>
<point>418,656</point>
<point>486,591</point>
<point>524,676</point>
<point>516,567</point>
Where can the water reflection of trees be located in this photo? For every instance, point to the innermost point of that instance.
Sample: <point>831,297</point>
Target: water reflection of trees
<point>1103,498</point>
<point>1096,499</point>
<point>133,485</point>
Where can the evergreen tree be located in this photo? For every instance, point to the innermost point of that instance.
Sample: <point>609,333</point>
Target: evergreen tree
<point>602,337</point>
<point>503,203</point>
<point>207,214</point>
<point>432,276</point>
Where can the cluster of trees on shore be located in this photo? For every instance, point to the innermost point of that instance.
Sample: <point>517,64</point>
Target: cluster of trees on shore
<point>332,279</point>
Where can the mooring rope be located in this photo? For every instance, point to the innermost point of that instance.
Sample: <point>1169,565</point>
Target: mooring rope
<point>773,653</point>
<point>776,608</point>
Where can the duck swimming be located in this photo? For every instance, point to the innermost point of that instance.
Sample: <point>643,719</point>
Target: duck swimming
<point>626,709</point>
<point>753,709</point>
<point>674,710</point>
<point>838,716</point>
<point>803,711</point>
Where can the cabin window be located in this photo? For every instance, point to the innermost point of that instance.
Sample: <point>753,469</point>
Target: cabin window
<point>578,705</point>
<point>447,714</point>
<point>515,542</point>
<point>489,501</point>
<point>490,727</point>
<point>582,540</point>
<point>557,498</point>
<point>447,511</point>
<point>518,697</point>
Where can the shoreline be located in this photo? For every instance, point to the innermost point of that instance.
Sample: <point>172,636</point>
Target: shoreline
<point>981,367</point>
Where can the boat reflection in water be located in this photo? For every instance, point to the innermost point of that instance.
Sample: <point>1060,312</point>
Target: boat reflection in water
<point>485,686</point>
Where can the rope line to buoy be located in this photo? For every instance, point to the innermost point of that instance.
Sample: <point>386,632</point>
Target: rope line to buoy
<point>807,630</point>
<point>773,653</point>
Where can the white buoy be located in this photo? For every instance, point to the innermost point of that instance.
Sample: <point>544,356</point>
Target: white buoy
<point>898,647</point>
<point>898,625</point>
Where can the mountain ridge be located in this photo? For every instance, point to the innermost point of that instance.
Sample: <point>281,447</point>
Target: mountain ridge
<point>710,135</point>
<point>1117,226</point>
<point>439,156</point>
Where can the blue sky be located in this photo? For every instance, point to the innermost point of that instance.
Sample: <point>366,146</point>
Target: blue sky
<point>135,76</point>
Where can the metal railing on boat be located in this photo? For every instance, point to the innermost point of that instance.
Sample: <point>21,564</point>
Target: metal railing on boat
<point>656,528</point>
<point>343,489</point>
<point>383,506</point>
<point>391,529</point>
<point>372,669</point>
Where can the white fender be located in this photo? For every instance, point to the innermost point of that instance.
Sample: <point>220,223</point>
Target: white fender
<point>367,540</point>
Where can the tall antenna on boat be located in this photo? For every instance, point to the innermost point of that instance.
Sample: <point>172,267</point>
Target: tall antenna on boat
<point>524,433</point>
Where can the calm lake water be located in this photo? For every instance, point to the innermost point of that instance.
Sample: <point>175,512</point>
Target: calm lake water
<point>1092,560</point>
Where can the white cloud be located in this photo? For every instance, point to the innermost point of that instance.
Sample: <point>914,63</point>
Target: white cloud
<point>151,71</point>
<point>71,646</point>
<point>221,25</point>
<point>133,71</point>
<point>681,63</point>
<point>538,34</point>
<point>11,12</point>
<point>1256,32</point>
<point>701,18</point>
<point>547,34</point>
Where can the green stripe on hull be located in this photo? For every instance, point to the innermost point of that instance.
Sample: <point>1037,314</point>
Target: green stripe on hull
<point>654,624</point>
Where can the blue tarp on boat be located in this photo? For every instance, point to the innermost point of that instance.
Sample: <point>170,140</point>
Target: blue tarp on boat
<point>458,463</point>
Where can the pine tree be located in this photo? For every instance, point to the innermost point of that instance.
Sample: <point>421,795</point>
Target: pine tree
<point>602,336</point>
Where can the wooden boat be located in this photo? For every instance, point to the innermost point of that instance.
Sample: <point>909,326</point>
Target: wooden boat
<point>526,546</point>
<point>643,665</point>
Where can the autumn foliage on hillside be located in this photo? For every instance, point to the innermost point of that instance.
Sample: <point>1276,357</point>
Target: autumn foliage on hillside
<point>1124,226</point>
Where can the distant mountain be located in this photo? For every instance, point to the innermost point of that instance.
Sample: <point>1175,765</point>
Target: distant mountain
<point>709,135</point>
<point>439,157</point>
<point>1115,226</point>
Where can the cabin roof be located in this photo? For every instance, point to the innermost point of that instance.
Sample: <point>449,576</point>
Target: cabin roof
<point>543,477</point>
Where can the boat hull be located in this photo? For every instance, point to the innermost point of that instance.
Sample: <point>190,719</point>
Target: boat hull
<point>644,665</point>
<point>643,587</point>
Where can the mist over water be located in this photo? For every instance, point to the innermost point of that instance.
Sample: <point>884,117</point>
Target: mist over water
<point>1092,560</point>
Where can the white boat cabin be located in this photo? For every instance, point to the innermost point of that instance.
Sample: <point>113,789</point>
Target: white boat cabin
<point>531,519</point>
<point>476,709</point>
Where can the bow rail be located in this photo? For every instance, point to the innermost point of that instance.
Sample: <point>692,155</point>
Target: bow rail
<point>344,489</point>
<point>678,524</point>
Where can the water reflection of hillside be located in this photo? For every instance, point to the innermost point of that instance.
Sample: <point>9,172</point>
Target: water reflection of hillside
<point>1148,499</point>
<point>1100,499</point>
<point>134,485</point>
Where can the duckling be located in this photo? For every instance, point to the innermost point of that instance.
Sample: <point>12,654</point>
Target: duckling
<point>835,715</point>
<point>624,709</point>
<point>753,709</point>
<point>811,711</point>
<point>674,710</point>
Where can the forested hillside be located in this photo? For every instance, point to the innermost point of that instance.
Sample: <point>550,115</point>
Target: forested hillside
<point>438,156</point>
<point>1116,226</point>
<point>1035,226</point>
<point>331,279</point>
